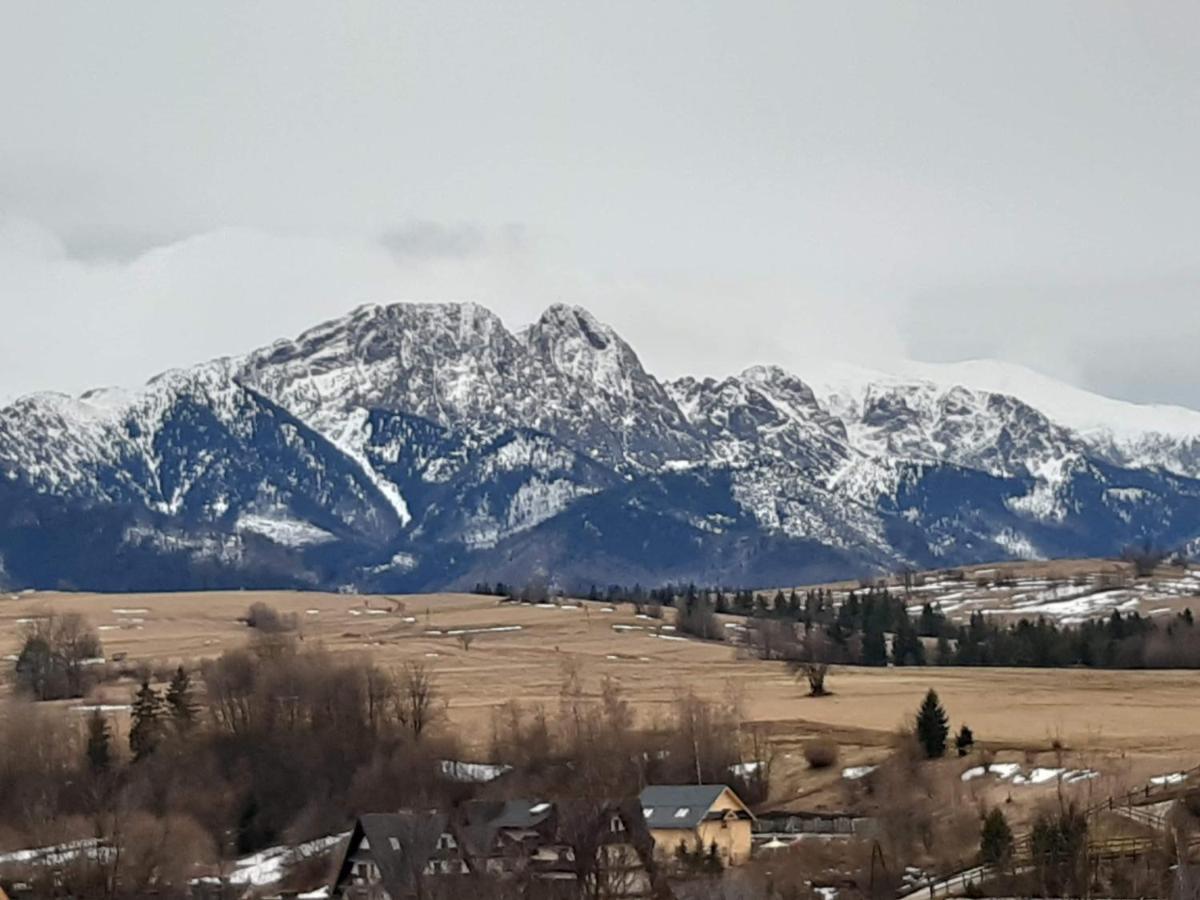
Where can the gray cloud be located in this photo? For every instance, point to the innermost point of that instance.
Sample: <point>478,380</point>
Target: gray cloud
<point>726,184</point>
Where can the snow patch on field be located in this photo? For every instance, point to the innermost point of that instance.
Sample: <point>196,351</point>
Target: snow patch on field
<point>1013,773</point>
<point>853,773</point>
<point>270,865</point>
<point>474,773</point>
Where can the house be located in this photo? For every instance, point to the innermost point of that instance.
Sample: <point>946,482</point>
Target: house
<point>392,855</point>
<point>506,837</point>
<point>697,816</point>
<point>545,850</point>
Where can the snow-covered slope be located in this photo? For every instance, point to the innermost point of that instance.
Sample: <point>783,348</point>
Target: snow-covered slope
<point>421,445</point>
<point>1131,434</point>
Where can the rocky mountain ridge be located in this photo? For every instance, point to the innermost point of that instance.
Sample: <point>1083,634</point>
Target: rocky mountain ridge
<point>417,446</point>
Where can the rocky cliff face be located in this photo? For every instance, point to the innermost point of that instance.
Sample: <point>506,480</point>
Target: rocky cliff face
<point>423,445</point>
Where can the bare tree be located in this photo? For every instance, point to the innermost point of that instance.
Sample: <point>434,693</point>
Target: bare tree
<point>55,654</point>
<point>809,658</point>
<point>417,704</point>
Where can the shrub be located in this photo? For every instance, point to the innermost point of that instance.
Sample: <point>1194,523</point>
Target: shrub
<point>995,839</point>
<point>964,741</point>
<point>821,753</point>
<point>267,618</point>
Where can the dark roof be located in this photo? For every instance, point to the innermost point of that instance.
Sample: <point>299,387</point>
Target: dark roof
<point>483,820</point>
<point>678,805</point>
<point>401,845</point>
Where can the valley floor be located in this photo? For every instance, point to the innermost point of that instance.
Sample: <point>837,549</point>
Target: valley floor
<point>1129,724</point>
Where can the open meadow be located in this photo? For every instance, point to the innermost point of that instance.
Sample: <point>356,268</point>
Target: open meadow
<point>1125,725</point>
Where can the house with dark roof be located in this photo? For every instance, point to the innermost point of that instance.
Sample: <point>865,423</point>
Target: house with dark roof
<point>698,817</point>
<point>394,855</point>
<point>544,850</point>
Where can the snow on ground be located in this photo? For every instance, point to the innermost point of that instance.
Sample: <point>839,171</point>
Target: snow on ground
<point>1039,775</point>
<point>1000,770</point>
<point>475,773</point>
<point>1171,778</point>
<point>284,530</point>
<point>270,865</point>
<point>853,773</point>
<point>53,854</point>
<point>744,768</point>
<point>494,628</point>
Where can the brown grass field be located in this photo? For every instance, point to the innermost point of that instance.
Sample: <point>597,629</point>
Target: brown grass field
<point>1126,725</point>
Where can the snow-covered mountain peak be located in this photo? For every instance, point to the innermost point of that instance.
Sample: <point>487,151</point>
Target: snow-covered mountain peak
<point>1120,431</point>
<point>572,343</point>
<point>401,444</point>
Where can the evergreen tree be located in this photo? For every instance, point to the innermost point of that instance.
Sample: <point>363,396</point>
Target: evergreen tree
<point>145,727</point>
<point>907,649</point>
<point>99,743</point>
<point>933,726</point>
<point>995,839</point>
<point>179,701</point>
<point>874,648</point>
<point>964,741</point>
<point>945,655</point>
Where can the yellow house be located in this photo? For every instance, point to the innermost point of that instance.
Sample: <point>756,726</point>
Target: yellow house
<point>697,816</point>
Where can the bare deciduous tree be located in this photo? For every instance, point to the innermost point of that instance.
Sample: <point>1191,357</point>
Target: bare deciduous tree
<point>417,699</point>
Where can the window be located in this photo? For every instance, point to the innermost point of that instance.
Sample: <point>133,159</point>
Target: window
<point>647,811</point>
<point>682,812</point>
<point>446,842</point>
<point>616,824</point>
<point>395,842</point>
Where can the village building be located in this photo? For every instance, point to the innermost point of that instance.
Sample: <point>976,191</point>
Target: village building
<point>391,856</point>
<point>698,817</point>
<point>546,850</point>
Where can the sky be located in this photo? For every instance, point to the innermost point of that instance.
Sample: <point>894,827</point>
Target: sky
<point>726,184</point>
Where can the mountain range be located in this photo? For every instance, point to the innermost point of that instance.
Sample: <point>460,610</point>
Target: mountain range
<point>414,447</point>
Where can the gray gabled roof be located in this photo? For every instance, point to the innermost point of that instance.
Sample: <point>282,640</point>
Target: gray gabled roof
<point>678,805</point>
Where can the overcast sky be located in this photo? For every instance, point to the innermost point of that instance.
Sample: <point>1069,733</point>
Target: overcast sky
<point>725,183</point>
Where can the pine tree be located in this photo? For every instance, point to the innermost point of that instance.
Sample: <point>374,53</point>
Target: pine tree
<point>179,701</point>
<point>933,726</point>
<point>874,648</point>
<point>99,743</point>
<point>945,655</point>
<point>995,839</point>
<point>145,728</point>
<point>907,649</point>
<point>964,741</point>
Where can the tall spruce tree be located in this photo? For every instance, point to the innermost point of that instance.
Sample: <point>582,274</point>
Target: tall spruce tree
<point>933,726</point>
<point>180,705</point>
<point>145,729</point>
